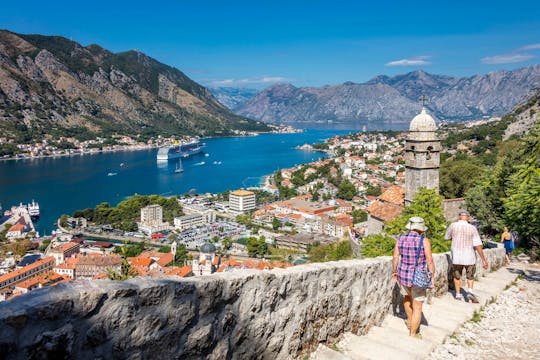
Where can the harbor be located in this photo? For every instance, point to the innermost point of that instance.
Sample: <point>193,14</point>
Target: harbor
<point>65,184</point>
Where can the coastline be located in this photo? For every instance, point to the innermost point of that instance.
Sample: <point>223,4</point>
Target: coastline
<point>80,154</point>
<point>138,147</point>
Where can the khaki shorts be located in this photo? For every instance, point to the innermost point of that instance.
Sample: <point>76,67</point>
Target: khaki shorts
<point>417,294</point>
<point>470,270</point>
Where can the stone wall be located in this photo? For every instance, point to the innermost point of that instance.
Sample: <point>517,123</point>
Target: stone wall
<point>276,314</point>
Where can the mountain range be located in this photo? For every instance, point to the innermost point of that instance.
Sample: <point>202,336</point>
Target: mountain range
<point>395,99</point>
<point>52,85</point>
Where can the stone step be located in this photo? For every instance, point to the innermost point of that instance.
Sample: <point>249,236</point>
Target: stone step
<point>401,340</point>
<point>429,332</point>
<point>440,320</point>
<point>325,353</point>
<point>362,347</point>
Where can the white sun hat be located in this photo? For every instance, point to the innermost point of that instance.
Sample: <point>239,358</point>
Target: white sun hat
<point>416,223</point>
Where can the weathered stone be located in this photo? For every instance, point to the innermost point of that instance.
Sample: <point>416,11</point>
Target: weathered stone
<point>240,315</point>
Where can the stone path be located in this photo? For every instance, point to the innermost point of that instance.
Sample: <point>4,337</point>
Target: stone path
<point>441,320</point>
<point>509,328</point>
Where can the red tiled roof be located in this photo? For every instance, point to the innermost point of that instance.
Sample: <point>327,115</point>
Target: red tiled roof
<point>16,227</point>
<point>178,271</point>
<point>394,195</point>
<point>26,268</point>
<point>385,211</point>
<point>65,247</point>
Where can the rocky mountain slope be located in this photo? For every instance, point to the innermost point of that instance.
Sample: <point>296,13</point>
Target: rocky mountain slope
<point>49,84</point>
<point>396,99</point>
<point>231,97</point>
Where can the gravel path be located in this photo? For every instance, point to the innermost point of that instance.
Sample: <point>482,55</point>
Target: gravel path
<point>509,328</point>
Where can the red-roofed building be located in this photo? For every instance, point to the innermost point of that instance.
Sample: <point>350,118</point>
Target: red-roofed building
<point>387,207</point>
<point>27,272</point>
<point>38,281</point>
<point>183,271</point>
<point>67,268</point>
<point>16,231</point>
<point>64,251</point>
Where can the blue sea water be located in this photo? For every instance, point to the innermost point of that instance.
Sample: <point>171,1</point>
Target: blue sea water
<point>64,184</point>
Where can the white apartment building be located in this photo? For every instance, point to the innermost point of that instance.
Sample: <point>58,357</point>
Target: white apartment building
<point>152,219</point>
<point>242,201</point>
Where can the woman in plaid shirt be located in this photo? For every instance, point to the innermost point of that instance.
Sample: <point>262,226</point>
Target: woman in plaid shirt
<point>403,269</point>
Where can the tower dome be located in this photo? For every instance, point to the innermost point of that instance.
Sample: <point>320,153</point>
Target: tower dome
<point>208,248</point>
<point>423,122</point>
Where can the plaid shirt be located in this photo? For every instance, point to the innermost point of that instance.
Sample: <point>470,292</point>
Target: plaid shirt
<point>408,244</point>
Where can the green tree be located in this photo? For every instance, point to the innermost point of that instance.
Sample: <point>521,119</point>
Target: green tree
<point>63,220</point>
<point>377,245</point>
<point>359,216</point>
<point>331,252</point>
<point>428,205</point>
<point>373,190</point>
<point>181,254</point>
<point>256,246</point>
<point>458,176</point>
<point>164,249</point>
<point>276,224</point>
<point>347,190</point>
<point>522,205</point>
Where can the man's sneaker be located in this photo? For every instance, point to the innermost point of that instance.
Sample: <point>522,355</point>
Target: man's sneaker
<point>472,297</point>
<point>459,297</point>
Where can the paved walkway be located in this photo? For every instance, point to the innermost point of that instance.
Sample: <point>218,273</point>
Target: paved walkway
<point>441,319</point>
<point>509,328</point>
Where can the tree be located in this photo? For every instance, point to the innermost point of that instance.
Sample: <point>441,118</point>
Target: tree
<point>181,254</point>
<point>276,224</point>
<point>359,216</point>
<point>373,190</point>
<point>428,205</point>
<point>226,242</point>
<point>347,190</point>
<point>63,220</point>
<point>522,205</point>
<point>256,246</point>
<point>165,249</point>
<point>377,245</point>
<point>331,252</point>
<point>458,176</point>
<point>315,195</point>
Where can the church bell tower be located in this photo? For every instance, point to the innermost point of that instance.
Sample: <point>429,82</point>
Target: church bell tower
<point>422,155</point>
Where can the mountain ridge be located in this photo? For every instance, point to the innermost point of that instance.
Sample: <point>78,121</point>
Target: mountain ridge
<point>396,99</point>
<point>50,82</point>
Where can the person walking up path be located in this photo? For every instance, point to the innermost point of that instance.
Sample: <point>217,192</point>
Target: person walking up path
<point>465,240</point>
<point>506,239</point>
<point>412,253</point>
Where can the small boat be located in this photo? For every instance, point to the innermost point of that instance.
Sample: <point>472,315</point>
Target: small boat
<point>121,164</point>
<point>206,155</point>
<point>112,174</point>
<point>200,163</point>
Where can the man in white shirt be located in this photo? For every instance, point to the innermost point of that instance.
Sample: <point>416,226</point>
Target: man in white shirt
<point>465,240</point>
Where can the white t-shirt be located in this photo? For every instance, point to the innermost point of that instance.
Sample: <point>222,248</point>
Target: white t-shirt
<point>464,238</point>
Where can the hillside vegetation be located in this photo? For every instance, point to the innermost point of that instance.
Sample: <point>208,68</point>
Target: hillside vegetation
<point>50,85</point>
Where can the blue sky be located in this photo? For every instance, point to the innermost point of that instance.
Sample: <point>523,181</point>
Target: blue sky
<point>308,43</point>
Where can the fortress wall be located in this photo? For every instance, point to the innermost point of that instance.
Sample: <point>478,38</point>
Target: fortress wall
<point>275,314</point>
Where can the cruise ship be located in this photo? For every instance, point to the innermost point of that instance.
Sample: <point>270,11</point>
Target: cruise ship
<point>33,209</point>
<point>182,150</point>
